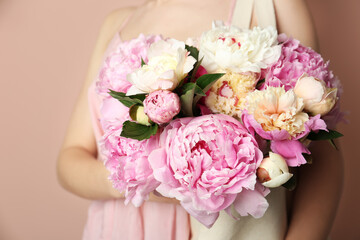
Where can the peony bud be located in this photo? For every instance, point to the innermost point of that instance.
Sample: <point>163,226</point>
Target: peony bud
<point>273,171</point>
<point>318,99</point>
<point>137,114</point>
<point>161,106</point>
<point>326,104</point>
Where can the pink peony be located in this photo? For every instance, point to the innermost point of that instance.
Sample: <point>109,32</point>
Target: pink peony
<point>206,162</point>
<point>113,113</point>
<point>201,71</point>
<point>125,158</point>
<point>294,61</point>
<point>161,106</point>
<point>124,60</point>
<point>282,142</point>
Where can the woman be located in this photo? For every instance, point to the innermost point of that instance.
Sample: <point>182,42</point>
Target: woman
<point>316,198</point>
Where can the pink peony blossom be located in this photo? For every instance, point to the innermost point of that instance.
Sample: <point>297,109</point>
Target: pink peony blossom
<point>282,142</point>
<point>294,61</point>
<point>125,158</point>
<point>201,71</point>
<point>123,60</point>
<point>113,113</point>
<point>161,106</point>
<point>205,162</point>
<point>291,150</point>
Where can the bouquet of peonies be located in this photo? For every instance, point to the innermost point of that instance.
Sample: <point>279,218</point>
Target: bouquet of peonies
<point>215,123</point>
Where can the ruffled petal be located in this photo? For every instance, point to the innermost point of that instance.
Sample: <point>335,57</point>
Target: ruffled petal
<point>291,150</point>
<point>251,202</point>
<point>204,217</point>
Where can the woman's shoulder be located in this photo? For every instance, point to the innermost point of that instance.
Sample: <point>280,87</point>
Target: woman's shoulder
<point>114,21</point>
<point>109,29</point>
<point>116,18</point>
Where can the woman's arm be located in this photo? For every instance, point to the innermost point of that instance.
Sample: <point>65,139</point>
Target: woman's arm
<point>317,194</point>
<point>319,187</point>
<point>78,169</point>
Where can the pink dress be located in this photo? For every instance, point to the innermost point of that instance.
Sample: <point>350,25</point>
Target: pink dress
<point>112,220</point>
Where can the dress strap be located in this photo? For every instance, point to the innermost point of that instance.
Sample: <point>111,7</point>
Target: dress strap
<point>263,9</point>
<point>128,15</point>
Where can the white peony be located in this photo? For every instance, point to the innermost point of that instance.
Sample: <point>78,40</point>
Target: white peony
<point>169,63</point>
<point>273,171</point>
<point>238,50</point>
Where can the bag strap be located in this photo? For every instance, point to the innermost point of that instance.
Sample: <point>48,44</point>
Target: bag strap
<point>263,9</point>
<point>265,13</point>
<point>242,13</point>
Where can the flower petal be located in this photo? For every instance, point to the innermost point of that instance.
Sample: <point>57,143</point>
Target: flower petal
<point>251,202</point>
<point>291,150</point>
<point>208,219</point>
<point>278,181</point>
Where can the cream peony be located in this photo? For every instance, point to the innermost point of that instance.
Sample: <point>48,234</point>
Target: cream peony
<point>228,94</point>
<point>232,49</point>
<point>273,171</point>
<point>169,63</point>
<point>318,99</point>
<point>276,109</point>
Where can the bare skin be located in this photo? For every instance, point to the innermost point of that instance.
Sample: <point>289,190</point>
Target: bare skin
<point>79,172</point>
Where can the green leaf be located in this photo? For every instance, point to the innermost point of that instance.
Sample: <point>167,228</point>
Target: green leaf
<point>187,101</point>
<point>132,112</point>
<point>203,84</point>
<point>193,86</point>
<point>207,80</point>
<point>137,131</point>
<point>195,69</point>
<point>188,87</point>
<point>128,101</point>
<point>142,62</point>
<point>194,52</point>
<point>199,91</point>
<point>308,158</point>
<point>179,86</point>
<point>290,184</point>
<point>324,135</point>
<point>331,141</point>
<point>140,97</point>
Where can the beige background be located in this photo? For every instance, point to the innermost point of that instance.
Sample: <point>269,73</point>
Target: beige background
<point>44,50</point>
